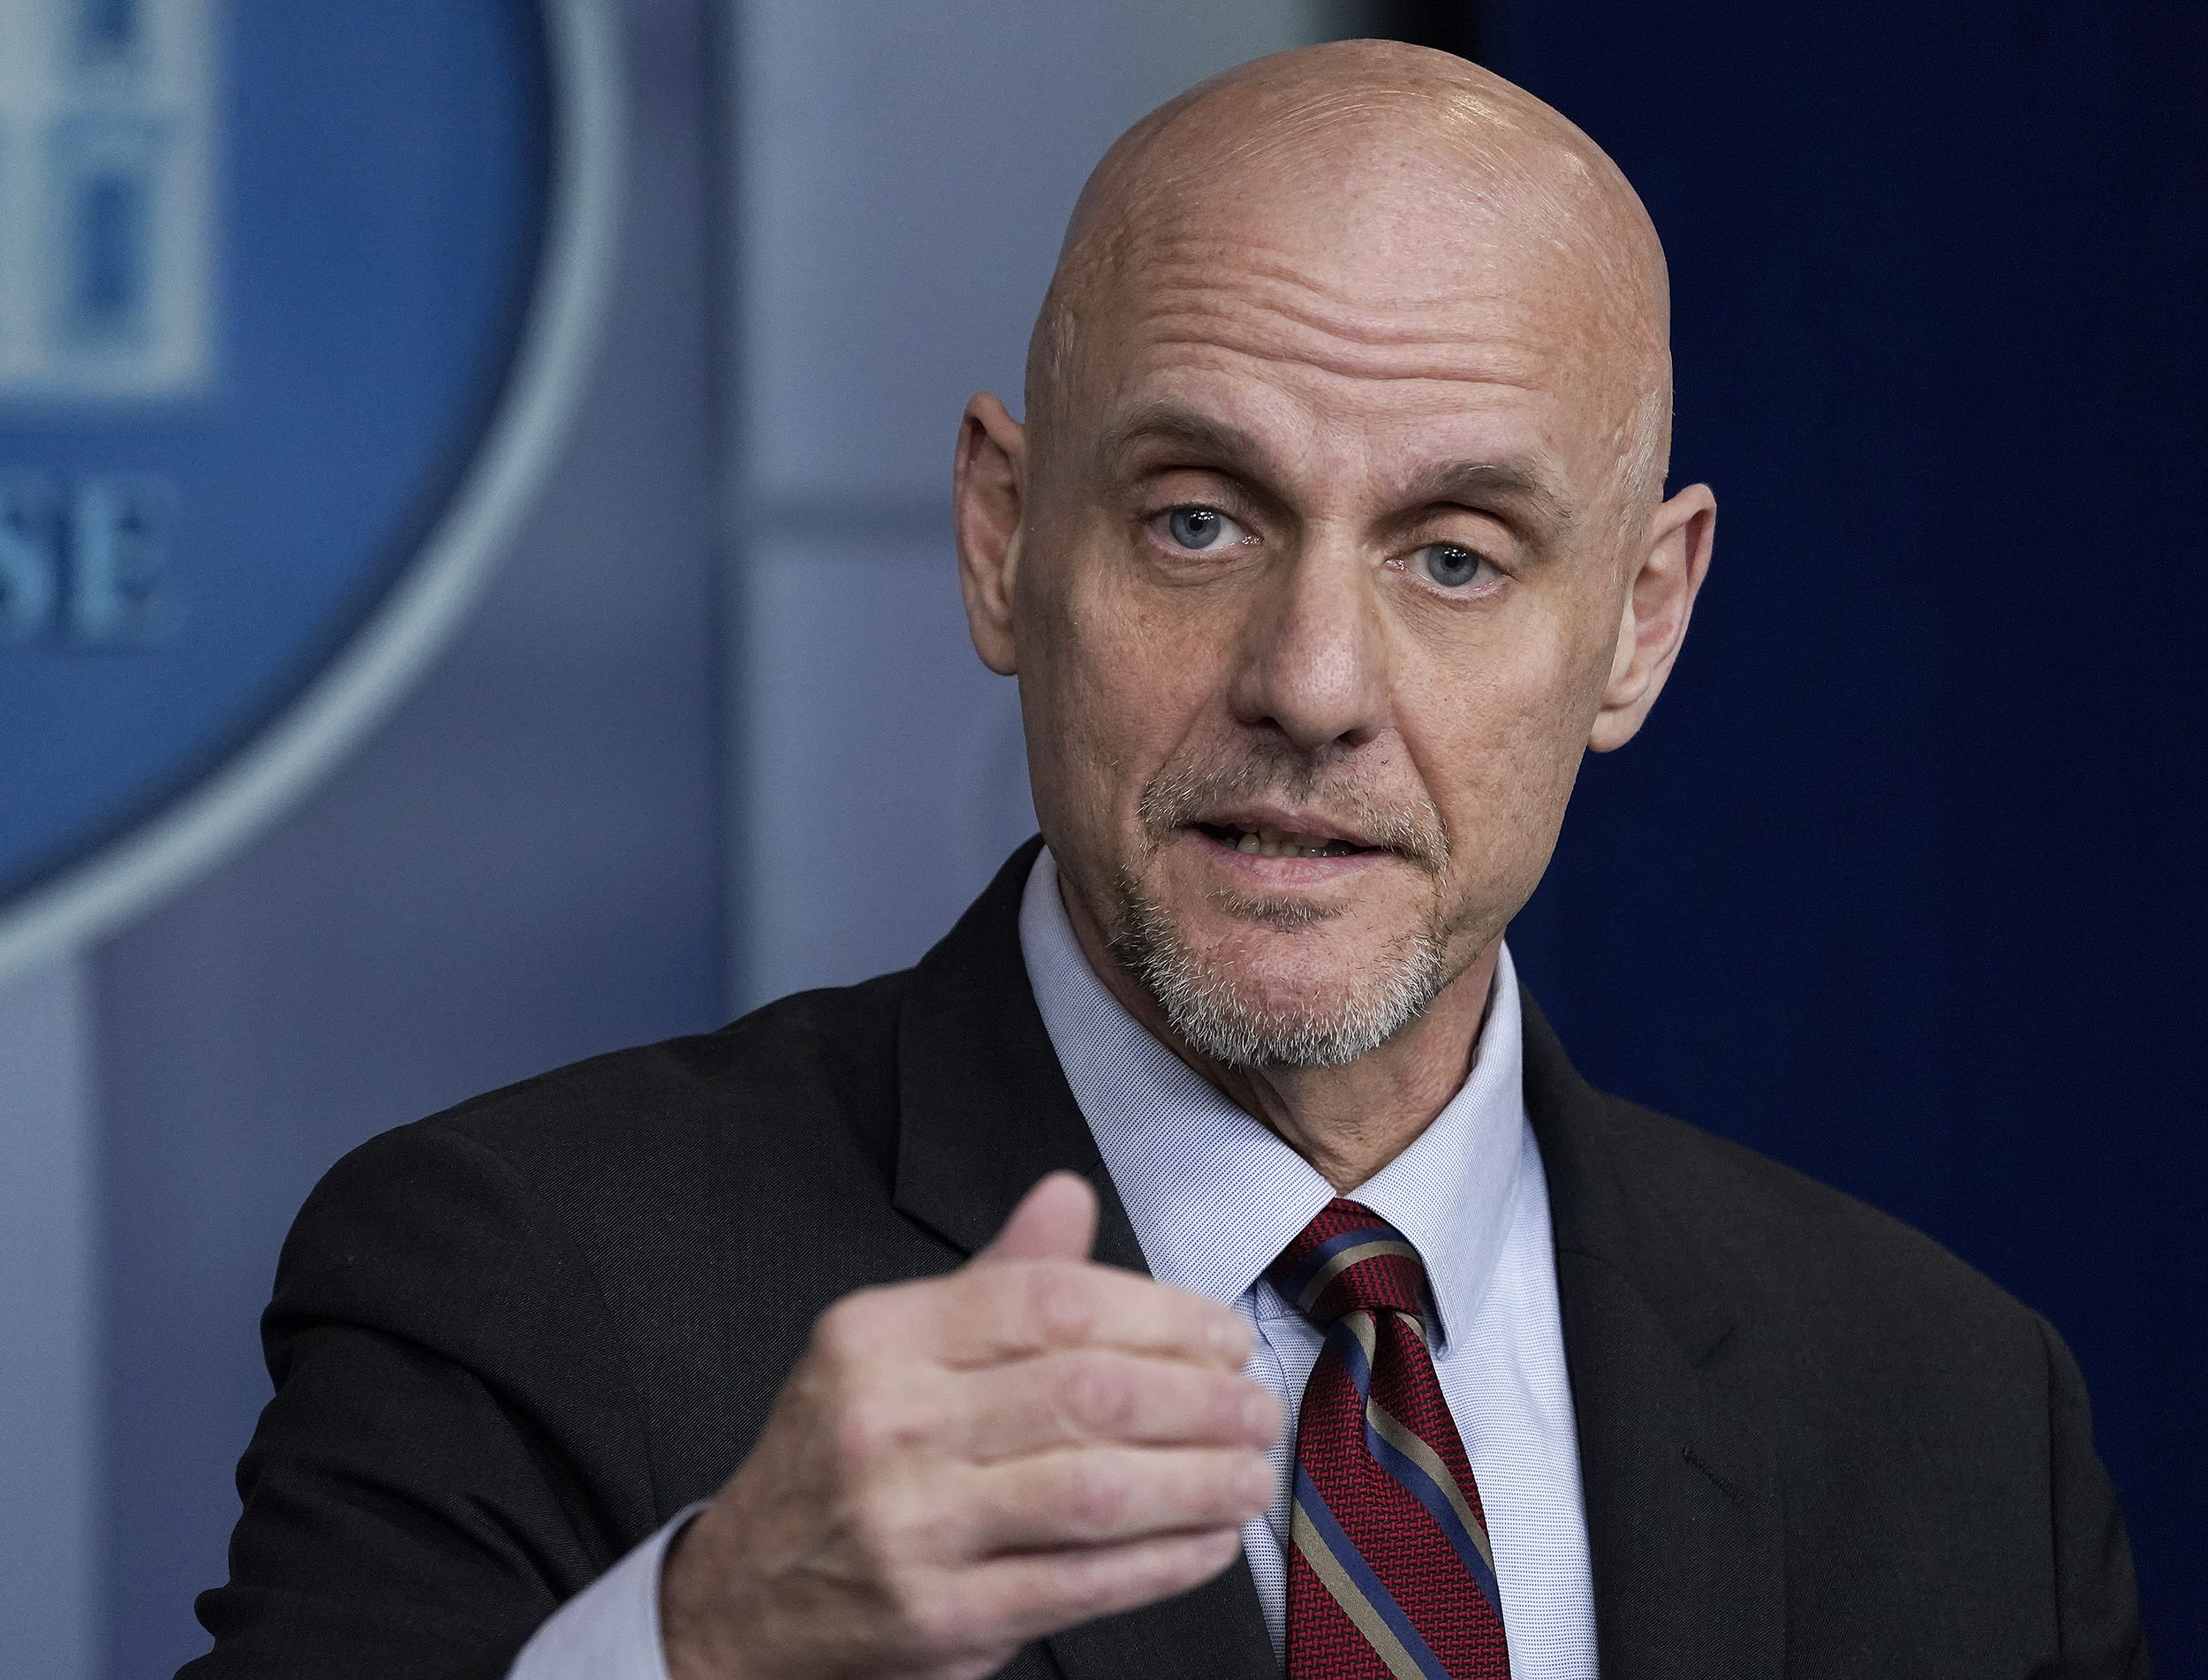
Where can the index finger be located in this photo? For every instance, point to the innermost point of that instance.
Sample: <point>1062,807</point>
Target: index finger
<point>1013,1309</point>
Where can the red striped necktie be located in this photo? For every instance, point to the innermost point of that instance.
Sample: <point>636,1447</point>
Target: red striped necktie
<point>1389,1571</point>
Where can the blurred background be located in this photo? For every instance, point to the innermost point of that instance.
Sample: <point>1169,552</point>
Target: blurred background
<point>1902,885</point>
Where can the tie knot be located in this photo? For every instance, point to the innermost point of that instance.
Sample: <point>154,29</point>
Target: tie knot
<point>1348,1260</point>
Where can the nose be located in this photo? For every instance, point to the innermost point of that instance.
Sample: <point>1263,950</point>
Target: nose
<point>1315,657</point>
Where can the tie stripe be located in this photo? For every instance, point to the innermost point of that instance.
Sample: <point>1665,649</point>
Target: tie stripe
<point>1334,1258</point>
<point>1371,1607</point>
<point>1419,1468</point>
<point>1400,1450</point>
<point>1391,1574</point>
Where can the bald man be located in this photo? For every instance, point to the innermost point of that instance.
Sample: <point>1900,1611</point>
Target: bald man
<point>1205,1263</point>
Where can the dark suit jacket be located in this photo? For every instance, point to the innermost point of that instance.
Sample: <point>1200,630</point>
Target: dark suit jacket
<point>511,1340</point>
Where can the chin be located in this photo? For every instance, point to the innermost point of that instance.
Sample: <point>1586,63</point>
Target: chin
<point>1278,987</point>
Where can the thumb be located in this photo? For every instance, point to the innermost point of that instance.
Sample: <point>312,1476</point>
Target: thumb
<point>1056,1219</point>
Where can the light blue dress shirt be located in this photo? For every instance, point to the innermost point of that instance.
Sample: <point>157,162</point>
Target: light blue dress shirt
<point>1213,1197</point>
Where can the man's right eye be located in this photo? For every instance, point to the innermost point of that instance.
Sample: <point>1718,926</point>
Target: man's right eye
<point>1200,529</point>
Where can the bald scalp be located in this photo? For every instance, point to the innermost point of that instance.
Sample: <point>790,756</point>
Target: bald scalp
<point>1339,126</point>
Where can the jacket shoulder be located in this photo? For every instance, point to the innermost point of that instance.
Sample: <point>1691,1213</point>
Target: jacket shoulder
<point>1800,1240</point>
<point>591,1192</point>
<point>1855,1328</point>
<point>808,1074</point>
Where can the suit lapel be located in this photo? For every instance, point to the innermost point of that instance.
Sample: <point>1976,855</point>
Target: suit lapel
<point>1683,1525</point>
<point>984,1110</point>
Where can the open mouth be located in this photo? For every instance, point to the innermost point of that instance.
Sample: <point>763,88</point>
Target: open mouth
<point>1258,841</point>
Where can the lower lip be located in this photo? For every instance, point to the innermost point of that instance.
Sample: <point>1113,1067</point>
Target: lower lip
<point>1276,873</point>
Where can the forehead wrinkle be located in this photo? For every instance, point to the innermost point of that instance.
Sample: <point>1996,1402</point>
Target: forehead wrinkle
<point>1229,274</point>
<point>1283,320</point>
<point>1344,365</point>
<point>1448,362</point>
<point>1285,295</point>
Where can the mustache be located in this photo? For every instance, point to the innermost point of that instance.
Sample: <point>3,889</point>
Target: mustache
<point>1176,797</point>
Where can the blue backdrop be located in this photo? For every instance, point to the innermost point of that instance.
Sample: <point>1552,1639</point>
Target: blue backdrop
<point>382,178</point>
<point>1902,885</point>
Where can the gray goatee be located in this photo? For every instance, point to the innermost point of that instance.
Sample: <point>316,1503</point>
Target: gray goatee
<point>1213,1011</point>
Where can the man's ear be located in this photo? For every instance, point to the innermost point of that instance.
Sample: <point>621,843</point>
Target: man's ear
<point>1659,599</point>
<point>988,501</point>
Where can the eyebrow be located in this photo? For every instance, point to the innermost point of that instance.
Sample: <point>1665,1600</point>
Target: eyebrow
<point>1520,479</point>
<point>1207,443</point>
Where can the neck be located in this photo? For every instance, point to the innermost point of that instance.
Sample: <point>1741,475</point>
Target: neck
<point>1348,1121</point>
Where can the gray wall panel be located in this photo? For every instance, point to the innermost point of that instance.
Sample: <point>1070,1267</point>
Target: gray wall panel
<point>894,755</point>
<point>49,1325</point>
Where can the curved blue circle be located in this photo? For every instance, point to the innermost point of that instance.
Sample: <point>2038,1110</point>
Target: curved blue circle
<point>383,176</point>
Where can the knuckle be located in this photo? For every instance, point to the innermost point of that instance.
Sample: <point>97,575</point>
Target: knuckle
<point>866,1430</point>
<point>1098,1395</point>
<point>1062,1302</point>
<point>941,1618</point>
<point>887,1418</point>
<point>1094,1499</point>
<point>880,1529</point>
<point>844,1332</point>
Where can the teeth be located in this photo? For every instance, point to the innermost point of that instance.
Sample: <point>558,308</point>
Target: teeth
<point>1281,843</point>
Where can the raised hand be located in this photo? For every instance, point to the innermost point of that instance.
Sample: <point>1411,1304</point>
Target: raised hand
<point>959,1466</point>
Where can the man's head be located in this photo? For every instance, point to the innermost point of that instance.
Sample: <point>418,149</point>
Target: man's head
<point>1335,535</point>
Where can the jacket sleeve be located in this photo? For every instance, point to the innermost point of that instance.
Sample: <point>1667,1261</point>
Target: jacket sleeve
<point>2097,1600</point>
<point>452,1449</point>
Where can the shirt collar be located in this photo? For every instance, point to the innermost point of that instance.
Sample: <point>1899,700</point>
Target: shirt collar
<point>1213,1195</point>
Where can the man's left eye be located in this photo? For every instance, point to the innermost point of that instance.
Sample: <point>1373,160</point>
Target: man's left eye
<point>1451,565</point>
<point>1200,530</point>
